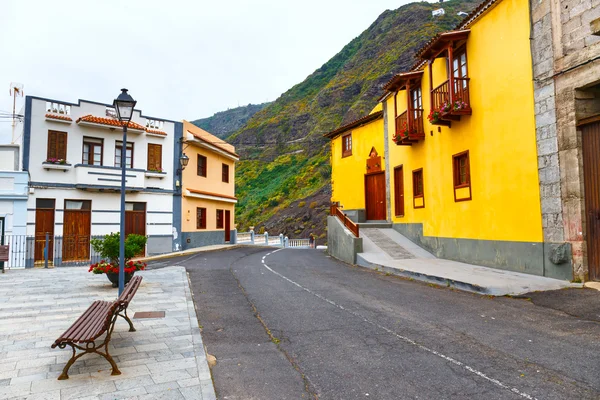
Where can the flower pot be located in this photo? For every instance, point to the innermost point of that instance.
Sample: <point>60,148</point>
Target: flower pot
<point>114,278</point>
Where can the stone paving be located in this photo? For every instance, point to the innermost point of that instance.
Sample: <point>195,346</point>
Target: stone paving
<point>164,359</point>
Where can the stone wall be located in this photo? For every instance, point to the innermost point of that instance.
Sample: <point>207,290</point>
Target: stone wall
<point>564,53</point>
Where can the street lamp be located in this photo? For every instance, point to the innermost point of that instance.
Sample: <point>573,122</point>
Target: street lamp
<point>184,160</point>
<point>124,105</point>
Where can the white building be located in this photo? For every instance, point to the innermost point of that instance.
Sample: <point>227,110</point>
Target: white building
<point>73,154</point>
<point>13,204</point>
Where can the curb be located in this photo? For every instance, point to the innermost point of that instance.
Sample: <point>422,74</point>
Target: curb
<point>440,281</point>
<point>188,252</point>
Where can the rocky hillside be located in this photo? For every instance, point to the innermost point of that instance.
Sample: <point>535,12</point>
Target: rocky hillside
<point>285,159</point>
<point>225,123</point>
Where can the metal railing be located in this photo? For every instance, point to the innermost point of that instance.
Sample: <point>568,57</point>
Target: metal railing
<point>264,239</point>
<point>348,223</point>
<point>45,250</point>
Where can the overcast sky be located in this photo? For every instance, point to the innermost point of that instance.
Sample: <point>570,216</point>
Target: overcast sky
<point>179,59</point>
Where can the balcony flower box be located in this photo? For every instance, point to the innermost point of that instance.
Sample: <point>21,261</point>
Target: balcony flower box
<point>155,174</point>
<point>55,163</point>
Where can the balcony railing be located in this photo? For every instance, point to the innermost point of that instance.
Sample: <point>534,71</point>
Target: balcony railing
<point>460,103</point>
<point>409,127</point>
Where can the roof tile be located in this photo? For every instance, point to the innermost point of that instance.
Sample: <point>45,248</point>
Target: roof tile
<point>59,116</point>
<point>110,122</point>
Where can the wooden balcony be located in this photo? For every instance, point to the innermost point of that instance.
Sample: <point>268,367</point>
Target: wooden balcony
<point>409,127</point>
<point>451,105</point>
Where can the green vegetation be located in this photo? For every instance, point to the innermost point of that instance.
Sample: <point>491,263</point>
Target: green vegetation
<point>224,123</point>
<point>284,155</point>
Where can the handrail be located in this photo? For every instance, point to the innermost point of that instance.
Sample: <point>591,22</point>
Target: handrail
<point>348,223</point>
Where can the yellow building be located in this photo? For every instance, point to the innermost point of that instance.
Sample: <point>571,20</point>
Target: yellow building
<point>461,164</point>
<point>208,188</point>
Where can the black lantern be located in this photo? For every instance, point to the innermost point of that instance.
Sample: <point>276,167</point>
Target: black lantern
<point>124,105</point>
<point>183,160</point>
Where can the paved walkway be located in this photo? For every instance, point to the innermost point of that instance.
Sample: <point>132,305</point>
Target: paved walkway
<point>389,251</point>
<point>164,359</point>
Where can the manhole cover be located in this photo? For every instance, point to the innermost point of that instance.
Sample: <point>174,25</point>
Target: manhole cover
<point>149,314</point>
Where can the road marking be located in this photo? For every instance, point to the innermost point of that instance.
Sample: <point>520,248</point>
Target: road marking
<point>403,338</point>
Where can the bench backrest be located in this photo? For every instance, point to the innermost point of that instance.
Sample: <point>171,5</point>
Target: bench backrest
<point>3,252</point>
<point>129,291</point>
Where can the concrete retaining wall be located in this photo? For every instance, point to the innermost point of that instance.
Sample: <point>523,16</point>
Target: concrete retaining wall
<point>342,244</point>
<point>526,257</point>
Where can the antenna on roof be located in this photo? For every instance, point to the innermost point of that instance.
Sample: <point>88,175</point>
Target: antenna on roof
<point>16,89</point>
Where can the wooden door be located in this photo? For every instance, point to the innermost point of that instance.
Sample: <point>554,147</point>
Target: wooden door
<point>227,225</point>
<point>76,230</point>
<point>44,224</point>
<point>591,174</point>
<point>399,191</point>
<point>375,196</point>
<point>135,220</point>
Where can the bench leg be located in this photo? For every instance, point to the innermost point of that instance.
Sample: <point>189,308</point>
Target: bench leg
<point>65,373</point>
<point>126,318</point>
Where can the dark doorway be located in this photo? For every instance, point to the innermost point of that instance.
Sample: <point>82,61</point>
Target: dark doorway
<point>135,220</point>
<point>375,196</point>
<point>76,230</point>
<point>399,191</point>
<point>590,135</point>
<point>44,224</point>
<point>227,226</point>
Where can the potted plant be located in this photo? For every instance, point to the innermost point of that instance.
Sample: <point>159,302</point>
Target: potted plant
<point>397,138</point>
<point>108,249</point>
<point>459,105</point>
<point>60,161</point>
<point>434,116</point>
<point>159,170</point>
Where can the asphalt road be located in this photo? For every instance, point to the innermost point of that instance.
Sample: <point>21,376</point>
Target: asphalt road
<point>297,324</point>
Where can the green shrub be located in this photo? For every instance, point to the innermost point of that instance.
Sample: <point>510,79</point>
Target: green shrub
<point>302,204</point>
<point>313,204</point>
<point>108,247</point>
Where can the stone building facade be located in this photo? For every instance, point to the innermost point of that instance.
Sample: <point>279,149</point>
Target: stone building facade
<point>565,42</point>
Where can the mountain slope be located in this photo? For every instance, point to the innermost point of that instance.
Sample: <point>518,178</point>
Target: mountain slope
<point>285,159</point>
<point>224,123</point>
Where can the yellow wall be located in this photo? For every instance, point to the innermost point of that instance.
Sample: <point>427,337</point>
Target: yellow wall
<point>500,137</point>
<point>212,183</point>
<point>348,173</point>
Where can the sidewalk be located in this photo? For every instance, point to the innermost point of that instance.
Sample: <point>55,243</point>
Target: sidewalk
<point>388,251</point>
<point>163,359</point>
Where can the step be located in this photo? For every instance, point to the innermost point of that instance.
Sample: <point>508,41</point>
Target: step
<point>466,277</point>
<point>374,224</point>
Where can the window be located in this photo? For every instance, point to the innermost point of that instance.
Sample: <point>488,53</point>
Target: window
<point>347,145</point>
<point>219,219</point>
<point>418,194</point>
<point>399,191</point>
<point>225,173</point>
<point>416,99</point>
<point>201,165</point>
<point>154,157</point>
<point>92,151</point>
<point>78,204</point>
<point>200,218</point>
<point>462,176</point>
<point>128,154</point>
<point>459,71</point>
<point>57,145</point>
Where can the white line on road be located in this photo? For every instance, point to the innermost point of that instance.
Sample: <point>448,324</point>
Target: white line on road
<point>403,338</point>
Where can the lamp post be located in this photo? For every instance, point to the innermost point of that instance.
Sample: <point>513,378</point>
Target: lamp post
<point>123,104</point>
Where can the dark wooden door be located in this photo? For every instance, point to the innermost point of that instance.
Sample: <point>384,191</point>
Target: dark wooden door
<point>76,234</point>
<point>399,191</point>
<point>44,224</point>
<point>227,225</point>
<point>591,175</point>
<point>375,196</point>
<point>135,220</point>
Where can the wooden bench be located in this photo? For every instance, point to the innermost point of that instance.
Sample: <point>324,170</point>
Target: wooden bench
<point>4,251</point>
<point>93,329</point>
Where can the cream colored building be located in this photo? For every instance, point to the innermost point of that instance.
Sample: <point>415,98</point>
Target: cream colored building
<point>208,188</point>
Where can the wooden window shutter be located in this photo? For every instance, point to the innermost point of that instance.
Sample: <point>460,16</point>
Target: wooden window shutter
<point>52,139</point>
<point>61,147</point>
<point>154,157</point>
<point>57,145</point>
